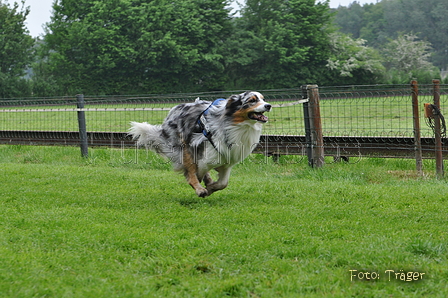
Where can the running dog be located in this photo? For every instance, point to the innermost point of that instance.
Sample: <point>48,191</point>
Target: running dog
<point>204,135</point>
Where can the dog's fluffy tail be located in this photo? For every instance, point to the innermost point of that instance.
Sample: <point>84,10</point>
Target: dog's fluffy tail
<point>146,134</point>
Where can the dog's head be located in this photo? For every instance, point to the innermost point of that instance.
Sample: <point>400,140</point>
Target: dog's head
<point>247,106</point>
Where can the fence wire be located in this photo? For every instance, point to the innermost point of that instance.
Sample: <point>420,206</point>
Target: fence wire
<point>357,113</point>
<point>374,111</point>
<point>113,114</point>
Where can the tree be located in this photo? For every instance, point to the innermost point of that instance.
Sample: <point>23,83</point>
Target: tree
<point>377,23</point>
<point>350,20</point>
<point>373,29</point>
<point>138,46</point>
<point>408,57</point>
<point>16,51</point>
<point>279,44</point>
<point>44,83</point>
<point>425,17</point>
<point>352,62</point>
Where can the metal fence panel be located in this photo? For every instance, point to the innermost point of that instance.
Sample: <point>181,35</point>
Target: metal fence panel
<point>356,120</point>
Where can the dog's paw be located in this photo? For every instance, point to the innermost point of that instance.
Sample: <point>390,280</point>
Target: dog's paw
<point>202,192</point>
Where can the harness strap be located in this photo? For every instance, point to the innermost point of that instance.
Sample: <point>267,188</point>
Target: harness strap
<point>202,121</point>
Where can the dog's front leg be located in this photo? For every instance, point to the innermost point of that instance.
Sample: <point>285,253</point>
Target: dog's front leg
<point>222,182</point>
<point>208,179</point>
<point>191,169</point>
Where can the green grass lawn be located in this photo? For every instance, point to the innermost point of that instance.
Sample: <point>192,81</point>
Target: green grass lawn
<point>122,224</point>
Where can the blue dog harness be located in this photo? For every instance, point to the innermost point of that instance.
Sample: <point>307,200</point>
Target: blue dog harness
<point>202,121</point>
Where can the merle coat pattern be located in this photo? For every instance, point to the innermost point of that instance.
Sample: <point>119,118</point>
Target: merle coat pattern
<point>230,129</point>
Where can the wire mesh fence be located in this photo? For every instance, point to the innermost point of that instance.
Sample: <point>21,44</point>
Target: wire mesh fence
<point>356,114</point>
<point>114,113</point>
<point>374,111</point>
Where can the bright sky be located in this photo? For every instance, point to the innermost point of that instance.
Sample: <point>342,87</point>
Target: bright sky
<point>41,11</point>
<point>337,3</point>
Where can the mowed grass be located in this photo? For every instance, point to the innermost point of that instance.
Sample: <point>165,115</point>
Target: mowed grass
<point>122,224</point>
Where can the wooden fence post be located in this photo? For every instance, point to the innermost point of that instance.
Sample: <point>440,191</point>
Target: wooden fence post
<point>317,140</point>
<point>438,130</point>
<point>82,126</point>
<point>306,119</point>
<point>417,136</point>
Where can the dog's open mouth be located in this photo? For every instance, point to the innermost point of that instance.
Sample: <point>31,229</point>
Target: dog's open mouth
<point>258,116</point>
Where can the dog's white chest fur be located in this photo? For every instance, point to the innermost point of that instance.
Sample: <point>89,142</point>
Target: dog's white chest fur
<point>233,144</point>
<point>243,140</point>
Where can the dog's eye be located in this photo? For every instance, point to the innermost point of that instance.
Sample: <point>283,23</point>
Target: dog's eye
<point>252,100</point>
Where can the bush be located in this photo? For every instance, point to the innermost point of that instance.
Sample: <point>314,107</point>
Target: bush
<point>394,76</point>
<point>14,87</point>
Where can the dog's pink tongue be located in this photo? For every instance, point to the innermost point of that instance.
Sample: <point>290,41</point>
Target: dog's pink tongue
<point>261,117</point>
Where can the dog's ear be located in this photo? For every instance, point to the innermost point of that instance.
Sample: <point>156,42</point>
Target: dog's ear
<point>234,100</point>
<point>251,96</point>
<point>233,104</point>
<point>235,97</point>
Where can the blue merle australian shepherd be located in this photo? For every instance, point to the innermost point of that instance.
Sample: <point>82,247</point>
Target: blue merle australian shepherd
<point>203,135</point>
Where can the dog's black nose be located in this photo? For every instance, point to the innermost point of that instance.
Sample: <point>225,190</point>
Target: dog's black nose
<point>267,107</point>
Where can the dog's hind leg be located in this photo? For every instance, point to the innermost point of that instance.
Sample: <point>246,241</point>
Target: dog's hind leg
<point>222,182</point>
<point>190,171</point>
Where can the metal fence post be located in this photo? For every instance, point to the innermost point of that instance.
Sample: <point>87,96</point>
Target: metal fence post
<point>438,130</point>
<point>82,126</point>
<point>417,137</point>
<point>306,119</point>
<point>317,139</point>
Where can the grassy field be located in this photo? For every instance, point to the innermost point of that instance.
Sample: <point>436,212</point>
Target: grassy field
<point>122,224</point>
<point>369,116</point>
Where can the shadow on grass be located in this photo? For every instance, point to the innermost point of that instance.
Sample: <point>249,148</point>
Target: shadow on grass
<point>196,203</point>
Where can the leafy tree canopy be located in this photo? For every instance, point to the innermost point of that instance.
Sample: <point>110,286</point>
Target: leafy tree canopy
<point>16,50</point>
<point>387,19</point>
<point>137,46</point>
<point>354,63</point>
<point>160,46</point>
<point>279,44</point>
<point>409,58</point>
